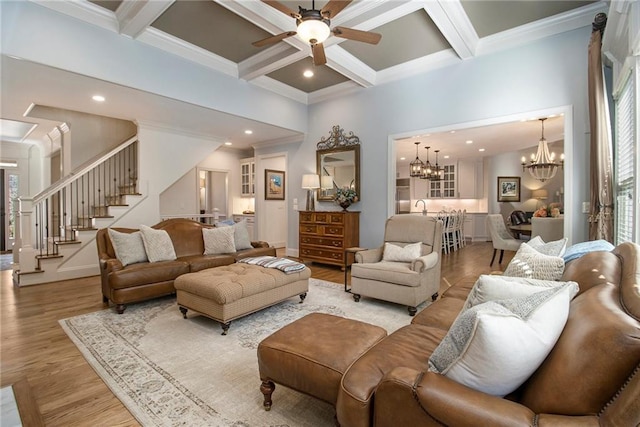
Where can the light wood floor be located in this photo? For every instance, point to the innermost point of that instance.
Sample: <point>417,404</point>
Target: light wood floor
<point>58,382</point>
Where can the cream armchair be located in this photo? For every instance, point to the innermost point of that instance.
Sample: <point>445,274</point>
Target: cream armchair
<point>500,237</point>
<point>402,282</point>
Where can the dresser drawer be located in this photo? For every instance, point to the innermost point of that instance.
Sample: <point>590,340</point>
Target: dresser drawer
<point>333,230</point>
<point>306,217</point>
<point>309,229</point>
<point>322,254</point>
<point>321,241</point>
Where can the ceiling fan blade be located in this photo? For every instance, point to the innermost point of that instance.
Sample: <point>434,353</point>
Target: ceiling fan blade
<point>273,39</point>
<point>282,8</point>
<point>331,9</point>
<point>318,54</point>
<point>357,35</point>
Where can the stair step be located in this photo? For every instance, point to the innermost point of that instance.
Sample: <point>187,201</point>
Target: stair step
<point>48,256</point>
<point>22,273</point>
<point>66,242</point>
<point>86,228</point>
<point>103,216</point>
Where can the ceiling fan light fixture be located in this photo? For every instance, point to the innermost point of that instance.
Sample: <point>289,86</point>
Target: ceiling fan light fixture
<point>313,31</point>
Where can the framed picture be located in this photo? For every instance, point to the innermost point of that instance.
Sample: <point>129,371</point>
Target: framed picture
<point>508,189</point>
<point>273,184</point>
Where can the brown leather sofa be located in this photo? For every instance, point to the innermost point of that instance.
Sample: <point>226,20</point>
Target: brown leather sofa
<point>145,280</point>
<point>590,378</point>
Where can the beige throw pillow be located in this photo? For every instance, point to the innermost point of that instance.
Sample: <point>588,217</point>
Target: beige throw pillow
<point>129,247</point>
<point>157,244</point>
<point>241,236</point>
<point>397,253</point>
<point>554,248</point>
<point>218,240</point>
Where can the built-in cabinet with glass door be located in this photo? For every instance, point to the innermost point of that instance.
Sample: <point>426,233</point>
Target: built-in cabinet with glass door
<point>462,180</point>
<point>247,177</point>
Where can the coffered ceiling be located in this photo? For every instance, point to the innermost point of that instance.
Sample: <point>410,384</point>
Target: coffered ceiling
<point>416,35</point>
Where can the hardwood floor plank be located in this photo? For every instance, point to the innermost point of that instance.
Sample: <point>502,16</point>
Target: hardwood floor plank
<point>66,390</point>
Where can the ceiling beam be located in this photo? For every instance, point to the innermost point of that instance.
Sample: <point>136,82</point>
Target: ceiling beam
<point>134,16</point>
<point>453,22</point>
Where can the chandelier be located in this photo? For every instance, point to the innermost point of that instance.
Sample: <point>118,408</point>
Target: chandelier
<point>542,165</point>
<point>429,171</point>
<point>416,166</point>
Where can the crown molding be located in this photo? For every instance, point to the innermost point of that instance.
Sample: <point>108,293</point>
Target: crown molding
<point>334,92</point>
<point>293,139</point>
<point>441,59</point>
<point>85,11</point>
<point>281,89</point>
<point>277,56</point>
<point>161,40</point>
<point>537,30</point>
<point>149,124</point>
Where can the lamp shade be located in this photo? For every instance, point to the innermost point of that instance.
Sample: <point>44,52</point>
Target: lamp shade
<point>310,181</point>
<point>327,182</point>
<point>540,194</point>
<point>313,31</point>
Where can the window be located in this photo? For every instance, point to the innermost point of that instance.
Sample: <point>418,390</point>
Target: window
<point>626,162</point>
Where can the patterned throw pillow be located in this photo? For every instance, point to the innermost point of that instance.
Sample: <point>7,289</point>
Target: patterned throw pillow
<point>241,236</point>
<point>158,244</point>
<point>530,263</point>
<point>495,346</point>
<point>401,253</point>
<point>555,248</point>
<point>218,240</point>
<point>128,247</point>
<point>491,287</point>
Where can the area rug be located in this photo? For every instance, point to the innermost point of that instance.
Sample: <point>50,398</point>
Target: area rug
<point>169,371</point>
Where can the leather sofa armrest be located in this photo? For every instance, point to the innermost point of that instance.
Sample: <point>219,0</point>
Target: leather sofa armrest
<point>111,264</point>
<point>425,262</point>
<point>260,244</point>
<point>369,255</point>
<point>409,397</point>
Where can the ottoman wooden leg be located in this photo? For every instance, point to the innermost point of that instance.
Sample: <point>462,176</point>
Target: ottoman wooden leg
<point>267,388</point>
<point>183,310</point>
<point>120,308</point>
<point>302,297</point>
<point>225,327</point>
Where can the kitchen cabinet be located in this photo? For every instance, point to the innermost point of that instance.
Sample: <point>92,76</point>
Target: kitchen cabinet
<point>475,227</point>
<point>446,187</point>
<point>419,188</point>
<point>325,235</point>
<point>470,179</point>
<point>247,177</point>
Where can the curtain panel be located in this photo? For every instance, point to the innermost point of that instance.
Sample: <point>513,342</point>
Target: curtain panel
<point>601,212</point>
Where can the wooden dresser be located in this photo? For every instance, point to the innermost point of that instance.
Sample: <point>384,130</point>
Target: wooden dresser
<point>325,235</point>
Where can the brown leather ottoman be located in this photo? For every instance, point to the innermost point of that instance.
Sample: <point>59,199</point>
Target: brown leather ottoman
<point>311,354</point>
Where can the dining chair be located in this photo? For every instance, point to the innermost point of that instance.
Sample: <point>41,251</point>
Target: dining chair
<point>500,237</point>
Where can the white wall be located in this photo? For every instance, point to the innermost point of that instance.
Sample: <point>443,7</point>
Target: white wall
<point>496,85</point>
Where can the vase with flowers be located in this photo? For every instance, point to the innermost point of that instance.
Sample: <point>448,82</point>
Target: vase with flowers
<point>552,210</point>
<point>345,196</point>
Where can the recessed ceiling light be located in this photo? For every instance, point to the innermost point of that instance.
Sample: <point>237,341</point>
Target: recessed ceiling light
<point>447,156</point>
<point>469,141</point>
<point>480,149</point>
<point>453,131</point>
<point>98,98</point>
<point>403,158</point>
<point>248,131</point>
<point>228,143</point>
<point>308,73</point>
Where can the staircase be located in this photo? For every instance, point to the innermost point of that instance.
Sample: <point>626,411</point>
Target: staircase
<point>57,224</point>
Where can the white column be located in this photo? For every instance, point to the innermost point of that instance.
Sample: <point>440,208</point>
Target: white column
<point>27,257</point>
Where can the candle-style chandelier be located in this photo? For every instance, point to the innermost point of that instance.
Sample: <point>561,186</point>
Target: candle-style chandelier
<point>543,165</point>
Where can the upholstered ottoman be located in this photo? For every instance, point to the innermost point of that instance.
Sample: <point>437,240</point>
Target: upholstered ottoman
<point>311,354</point>
<point>229,292</point>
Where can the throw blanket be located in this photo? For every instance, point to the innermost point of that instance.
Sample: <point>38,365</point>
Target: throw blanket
<point>282,264</point>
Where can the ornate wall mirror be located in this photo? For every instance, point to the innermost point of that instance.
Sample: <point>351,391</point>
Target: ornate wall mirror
<point>338,163</point>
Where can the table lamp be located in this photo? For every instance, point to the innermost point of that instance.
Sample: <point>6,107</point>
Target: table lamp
<point>310,182</point>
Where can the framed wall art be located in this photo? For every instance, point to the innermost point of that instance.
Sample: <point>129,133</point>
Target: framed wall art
<point>508,189</point>
<point>273,184</point>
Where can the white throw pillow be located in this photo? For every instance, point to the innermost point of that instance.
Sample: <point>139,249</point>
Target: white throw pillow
<point>241,235</point>
<point>490,287</point>
<point>129,247</point>
<point>528,262</point>
<point>218,240</point>
<point>158,244</point>
<point>555,248</point>
<point>495,346</point>
<point>401,254</point>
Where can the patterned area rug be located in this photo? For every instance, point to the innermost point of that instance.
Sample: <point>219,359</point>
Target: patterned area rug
<point>174,372</point>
